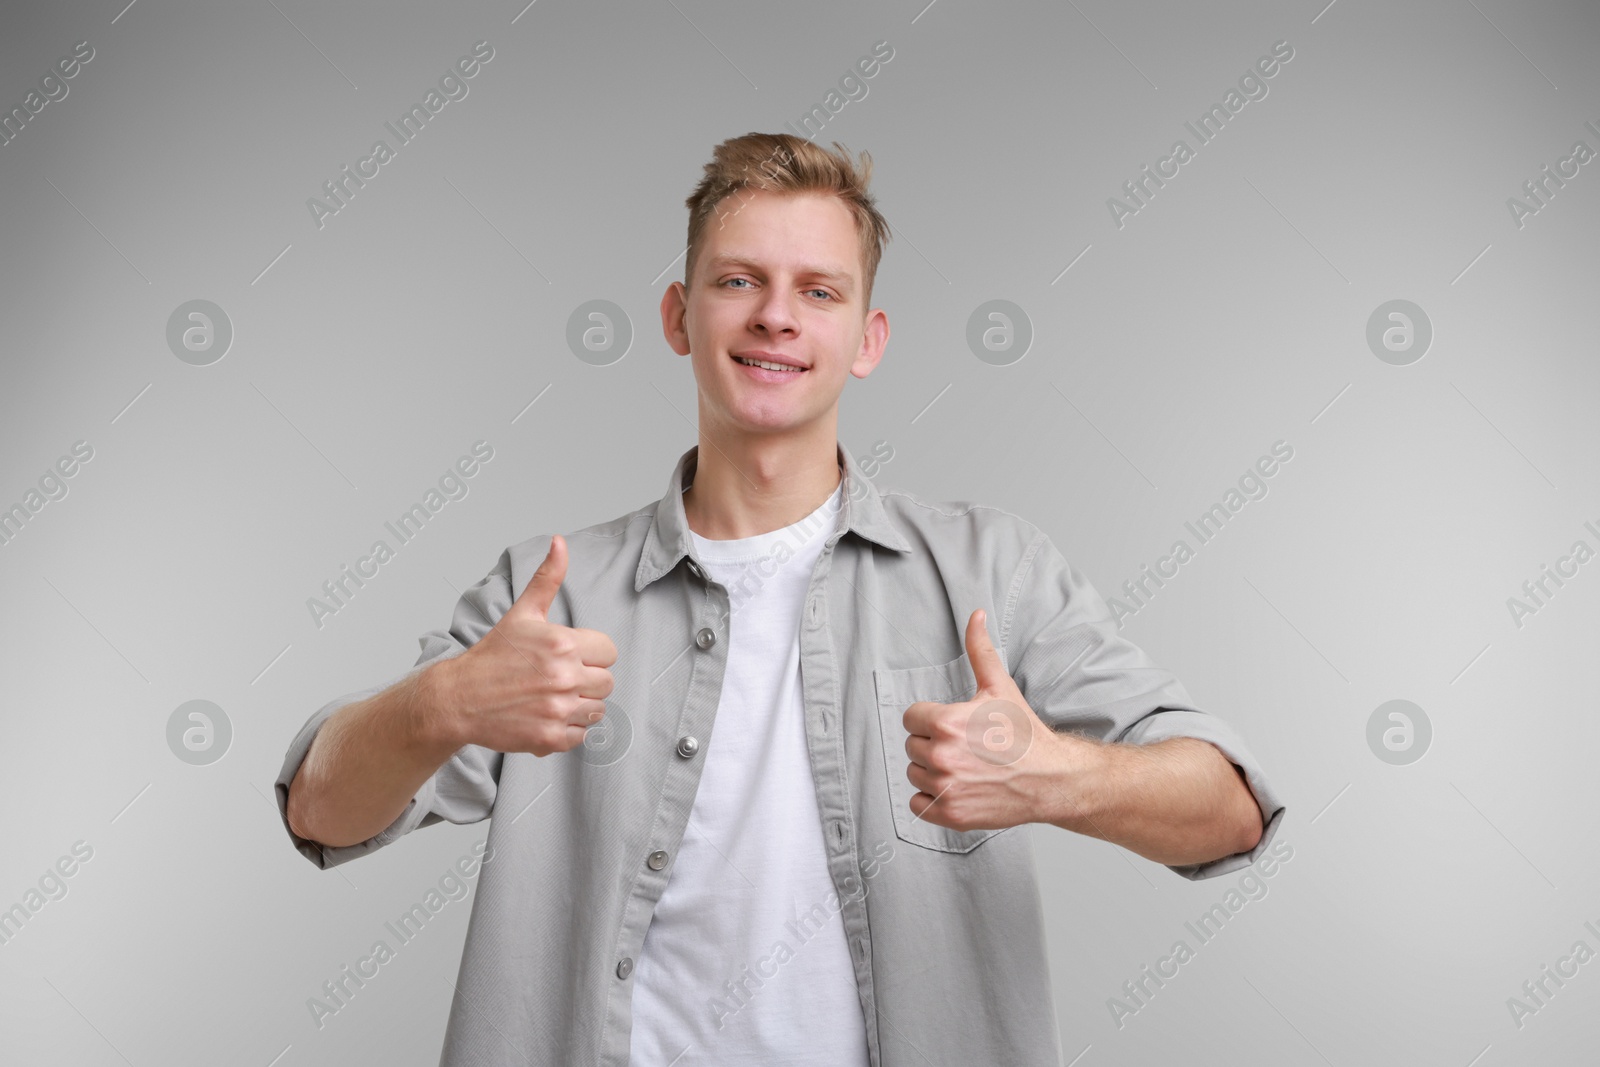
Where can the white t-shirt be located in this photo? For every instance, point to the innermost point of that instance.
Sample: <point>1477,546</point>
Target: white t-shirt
<point>727,974</point>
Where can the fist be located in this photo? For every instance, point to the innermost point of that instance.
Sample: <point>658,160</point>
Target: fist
<point>532,685</point>
<point>984,763</point>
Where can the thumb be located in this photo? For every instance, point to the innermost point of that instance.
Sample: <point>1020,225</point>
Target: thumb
<point>985,658</point>
<point>541,588</point>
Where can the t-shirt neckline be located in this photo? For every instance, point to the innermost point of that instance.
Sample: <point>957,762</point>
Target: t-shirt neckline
<point>796,534</point>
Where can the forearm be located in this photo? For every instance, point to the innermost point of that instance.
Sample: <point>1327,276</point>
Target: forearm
<point>1178,801</point>
<point>369,759</point>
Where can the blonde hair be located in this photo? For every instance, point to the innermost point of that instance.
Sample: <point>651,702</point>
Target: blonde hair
<point>784,163</point>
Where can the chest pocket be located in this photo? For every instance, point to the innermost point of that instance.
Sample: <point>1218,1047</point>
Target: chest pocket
<point>897,690</point>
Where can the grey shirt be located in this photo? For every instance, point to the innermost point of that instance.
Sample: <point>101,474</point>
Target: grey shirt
<point>945,927</point>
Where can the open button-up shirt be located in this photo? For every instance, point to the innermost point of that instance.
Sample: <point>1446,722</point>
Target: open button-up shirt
<point>945,927</point>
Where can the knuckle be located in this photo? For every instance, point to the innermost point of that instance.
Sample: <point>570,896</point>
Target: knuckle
<point>556,737</point>
<point>560,677</point>
<point>563,706</point>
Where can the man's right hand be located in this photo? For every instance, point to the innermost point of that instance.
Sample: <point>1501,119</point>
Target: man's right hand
<point>530,685</point>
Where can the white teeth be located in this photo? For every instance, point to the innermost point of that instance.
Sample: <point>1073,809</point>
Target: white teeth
<point>768,366</point>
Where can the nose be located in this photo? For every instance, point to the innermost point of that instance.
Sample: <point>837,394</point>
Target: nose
<point>774,312</point>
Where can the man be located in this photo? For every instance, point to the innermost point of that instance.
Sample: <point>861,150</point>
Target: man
<point>781,830</point>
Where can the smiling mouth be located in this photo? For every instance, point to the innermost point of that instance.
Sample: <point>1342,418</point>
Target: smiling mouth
<point>769,366</point>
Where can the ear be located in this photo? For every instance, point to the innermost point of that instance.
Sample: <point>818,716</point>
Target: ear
<point>874,339</point>
<point>674,308</point>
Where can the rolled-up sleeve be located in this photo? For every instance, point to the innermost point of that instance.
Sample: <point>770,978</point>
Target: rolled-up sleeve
<point>1063,649</point>
<point>463,789</point>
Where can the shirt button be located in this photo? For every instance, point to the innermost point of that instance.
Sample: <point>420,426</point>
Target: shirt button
<point>687,746</point>
<point>706,637</point>
<point>625,968</point>
<point>656,860</point>
<point>694,569</point>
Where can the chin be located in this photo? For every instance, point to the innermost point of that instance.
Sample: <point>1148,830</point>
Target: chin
<point>767,419</point>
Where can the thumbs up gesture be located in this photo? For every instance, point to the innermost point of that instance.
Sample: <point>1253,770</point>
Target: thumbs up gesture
<point>988,762</point>
<point>531,685</point>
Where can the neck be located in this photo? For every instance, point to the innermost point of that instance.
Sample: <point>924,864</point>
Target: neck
<point>756,484</point>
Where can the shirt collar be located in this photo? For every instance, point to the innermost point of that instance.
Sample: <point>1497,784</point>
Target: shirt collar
<point>668,539</point>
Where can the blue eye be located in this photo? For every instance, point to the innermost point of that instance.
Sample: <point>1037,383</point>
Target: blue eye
<point>730,281</point>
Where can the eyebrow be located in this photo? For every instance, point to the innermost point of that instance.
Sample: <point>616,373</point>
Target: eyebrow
<point>841,278</point>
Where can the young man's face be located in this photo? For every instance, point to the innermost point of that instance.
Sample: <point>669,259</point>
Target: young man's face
<point>778,277</point>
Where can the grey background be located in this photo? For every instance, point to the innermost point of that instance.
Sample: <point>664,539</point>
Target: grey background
<point>1227,314</point>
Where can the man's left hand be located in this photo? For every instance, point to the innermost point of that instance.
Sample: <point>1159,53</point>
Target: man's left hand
<point>988,762</point>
